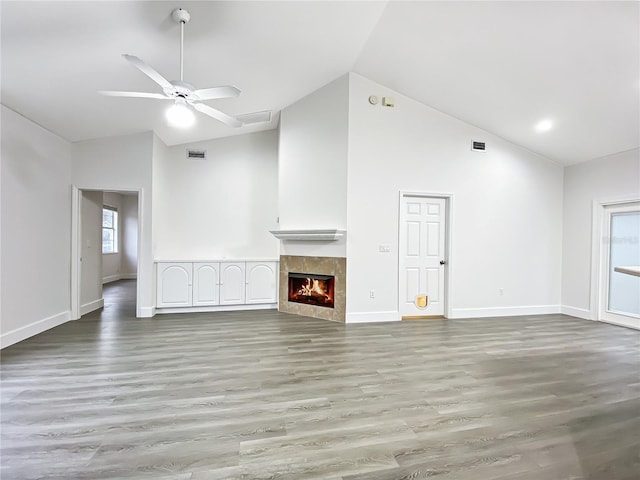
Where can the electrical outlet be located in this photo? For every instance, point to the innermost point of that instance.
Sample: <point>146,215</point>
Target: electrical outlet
<point>384,248</point>
<point>501,291</point>
<point>372,294</point>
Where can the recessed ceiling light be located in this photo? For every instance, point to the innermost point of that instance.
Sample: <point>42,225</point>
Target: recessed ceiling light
<point>544,125</point>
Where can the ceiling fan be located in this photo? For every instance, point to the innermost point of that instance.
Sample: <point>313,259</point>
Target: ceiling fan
<point>184,94</point>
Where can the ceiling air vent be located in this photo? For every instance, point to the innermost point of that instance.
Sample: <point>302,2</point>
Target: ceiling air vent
<point>199,154</point>
<point>478,146</point>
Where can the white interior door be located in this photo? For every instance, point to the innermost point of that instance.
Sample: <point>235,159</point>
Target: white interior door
<point>91,251</point>
<point>620,267</point>
<point>422,252</point>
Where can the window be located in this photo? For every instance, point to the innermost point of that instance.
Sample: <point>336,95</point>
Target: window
<point>109,230</point>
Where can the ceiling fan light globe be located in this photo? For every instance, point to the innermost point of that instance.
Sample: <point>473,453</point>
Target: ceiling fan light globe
<point>180,116</point>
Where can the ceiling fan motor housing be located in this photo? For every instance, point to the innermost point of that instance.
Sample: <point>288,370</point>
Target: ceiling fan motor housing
<point>180,89</point>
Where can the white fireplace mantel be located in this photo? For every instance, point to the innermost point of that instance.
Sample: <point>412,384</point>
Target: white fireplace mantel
<point>309,235</point>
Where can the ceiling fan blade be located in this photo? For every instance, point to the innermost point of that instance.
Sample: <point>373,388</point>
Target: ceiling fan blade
<point>253,118</point>
<point>226,91</point>
<point>217,114</point>
<point>110,93</point>
<point>149,72</point>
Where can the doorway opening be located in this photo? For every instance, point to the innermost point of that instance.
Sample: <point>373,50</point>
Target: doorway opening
<point>106,241</point>
<point>424,255</point>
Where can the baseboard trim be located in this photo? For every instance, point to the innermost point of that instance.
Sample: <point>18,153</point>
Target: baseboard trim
<point>120,276</point>
<point>620,324</point>
<point>504,311</point>
<point>217,308</point>
<point>373,317</point>
<point>576,312</point>
<point>91,306</point>
<point>147,312</point>
<point>39,326</point>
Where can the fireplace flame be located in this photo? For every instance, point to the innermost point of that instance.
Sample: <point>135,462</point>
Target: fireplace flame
<point>312,286</point>
<point>310,290</point>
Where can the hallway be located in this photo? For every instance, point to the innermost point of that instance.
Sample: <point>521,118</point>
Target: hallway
<point>119,301</point>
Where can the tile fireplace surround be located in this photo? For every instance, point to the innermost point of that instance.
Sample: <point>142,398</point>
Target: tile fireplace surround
<point>314,265</point>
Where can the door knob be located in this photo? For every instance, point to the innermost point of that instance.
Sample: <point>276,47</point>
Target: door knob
<point>443,262</point>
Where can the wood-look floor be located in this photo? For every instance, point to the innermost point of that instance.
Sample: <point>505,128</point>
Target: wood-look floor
<point>263,395</point>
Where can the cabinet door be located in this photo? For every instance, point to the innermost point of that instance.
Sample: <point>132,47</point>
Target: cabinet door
<point>232,283</point>
<point>206,284</point>
<point>261,282</point>
<point>174,285</point>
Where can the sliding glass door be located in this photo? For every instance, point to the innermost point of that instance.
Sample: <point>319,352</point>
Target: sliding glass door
<point>620,294</point>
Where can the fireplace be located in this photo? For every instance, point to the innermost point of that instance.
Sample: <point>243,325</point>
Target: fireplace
<point>325,269</point>
<point>312,289</point>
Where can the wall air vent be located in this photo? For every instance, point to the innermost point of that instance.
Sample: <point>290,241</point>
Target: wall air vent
<point>478,146</point>
<point>199,154</point>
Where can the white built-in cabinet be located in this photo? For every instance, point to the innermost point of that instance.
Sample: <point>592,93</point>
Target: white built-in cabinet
<point>232,284</point>
<point>174,284</point>
<point>261,282</point>
<point>211,284</point>
<point>206,284</point>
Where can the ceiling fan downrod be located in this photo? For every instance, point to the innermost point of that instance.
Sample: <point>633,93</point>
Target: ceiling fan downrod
<point>181,16</point>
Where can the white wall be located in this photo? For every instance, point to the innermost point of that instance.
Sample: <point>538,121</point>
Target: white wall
<point>129,219</point>
<point>91,248</point>
<point>221,207</point>
<point>123,163</point>
<point>158,159</point>
<point>35,228</point>
<point>609,178</point>
<point>507,216</point>
<point>312,167</point>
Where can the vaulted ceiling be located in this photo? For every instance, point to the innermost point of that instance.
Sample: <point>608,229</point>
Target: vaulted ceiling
<point>502,66</point>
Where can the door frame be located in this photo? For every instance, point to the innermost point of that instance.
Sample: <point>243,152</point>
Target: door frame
<point>598,251</point>
<point>448,241</point>
<point>76,250</point>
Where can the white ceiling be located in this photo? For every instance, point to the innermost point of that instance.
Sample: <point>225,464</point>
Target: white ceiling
<point>502,66</point>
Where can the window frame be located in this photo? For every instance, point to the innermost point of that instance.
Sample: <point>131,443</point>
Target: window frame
<point>115,229</point>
